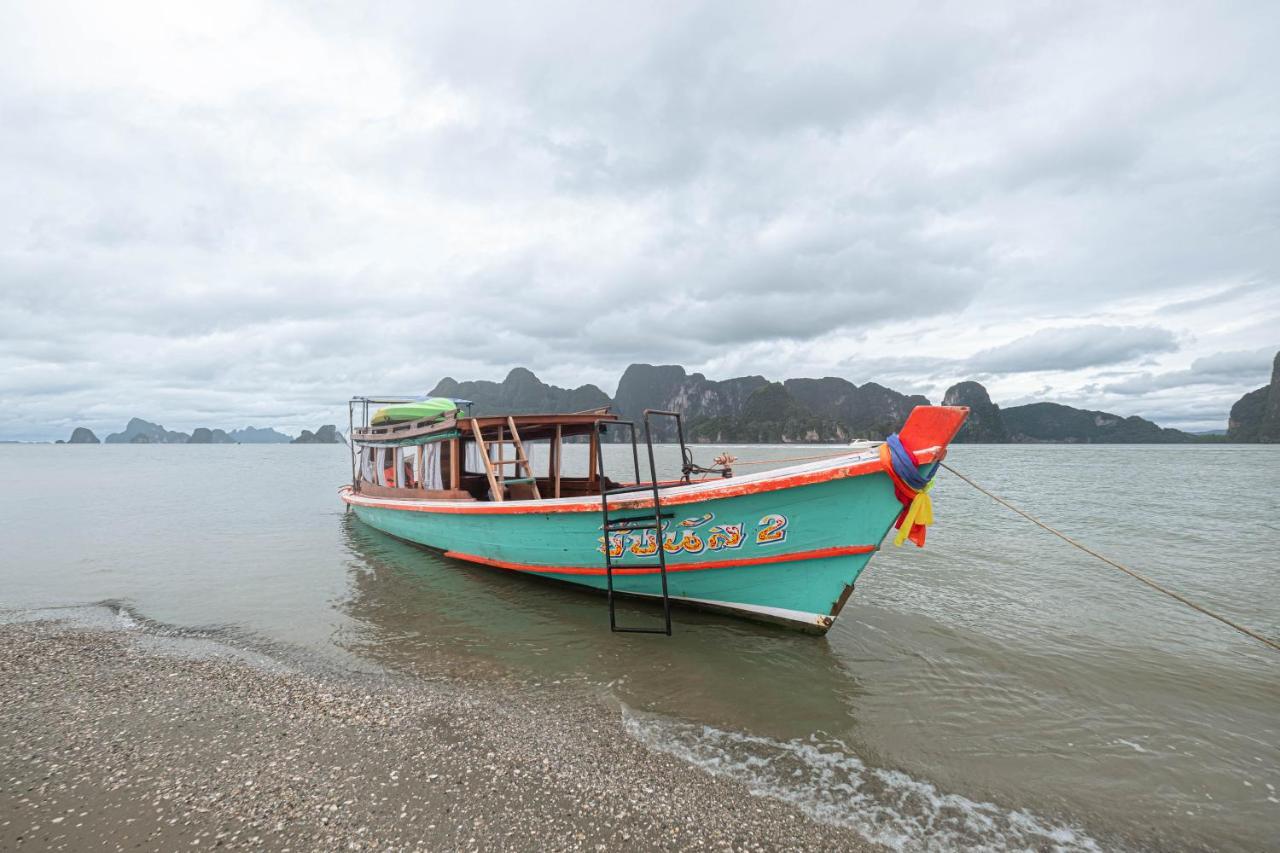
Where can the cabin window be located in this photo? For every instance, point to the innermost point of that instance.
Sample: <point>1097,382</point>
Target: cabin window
<point>410,468</point>
<point>388,474</point>
<point>474,460</point>
<point>539,453</point>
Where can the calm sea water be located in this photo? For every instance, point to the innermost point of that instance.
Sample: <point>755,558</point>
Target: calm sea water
<point>995,690</point>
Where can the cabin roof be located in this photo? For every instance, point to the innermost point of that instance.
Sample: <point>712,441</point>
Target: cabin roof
<point>530,426</point>
<point>533,427</point>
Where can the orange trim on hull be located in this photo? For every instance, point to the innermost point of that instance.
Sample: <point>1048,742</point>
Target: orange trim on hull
<point>838,551</point>
<point>676,498</point>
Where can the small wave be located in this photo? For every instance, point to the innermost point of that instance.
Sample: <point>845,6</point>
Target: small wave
<point>825,781</point>
<point>161,637</point>
<point>124,618</point>
<point>1136,747</point>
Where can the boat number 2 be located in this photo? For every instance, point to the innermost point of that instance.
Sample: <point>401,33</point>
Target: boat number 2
<point>771,528</point>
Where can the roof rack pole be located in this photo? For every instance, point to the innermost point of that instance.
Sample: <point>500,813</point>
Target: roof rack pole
<point>351,444</point>
<point>593,460</point>
<point>635,455</point>
<point>557,451</point>
<point>500,471</point>
<point>455,463</point>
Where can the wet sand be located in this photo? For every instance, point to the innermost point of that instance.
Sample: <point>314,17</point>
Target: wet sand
<point>109,743</point>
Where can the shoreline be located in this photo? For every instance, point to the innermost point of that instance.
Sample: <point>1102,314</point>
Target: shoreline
<point>107,742</point>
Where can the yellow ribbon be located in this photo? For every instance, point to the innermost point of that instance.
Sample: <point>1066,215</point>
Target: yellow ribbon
<point>920,512</point>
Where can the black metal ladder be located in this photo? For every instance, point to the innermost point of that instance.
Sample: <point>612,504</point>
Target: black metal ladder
<point>637,522</point>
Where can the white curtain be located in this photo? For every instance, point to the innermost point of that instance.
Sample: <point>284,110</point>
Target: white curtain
<point>373,463</point>
<point>431,478</point>
<point>368,470</point>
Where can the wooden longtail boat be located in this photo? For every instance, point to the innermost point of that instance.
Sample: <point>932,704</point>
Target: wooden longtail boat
<point>783,546</point>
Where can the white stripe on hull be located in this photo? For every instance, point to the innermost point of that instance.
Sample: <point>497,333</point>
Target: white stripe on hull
<point>811,621</point>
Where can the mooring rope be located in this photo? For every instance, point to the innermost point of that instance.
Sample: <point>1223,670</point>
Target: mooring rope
<point>1248,632</point>
<point>1133,573</point>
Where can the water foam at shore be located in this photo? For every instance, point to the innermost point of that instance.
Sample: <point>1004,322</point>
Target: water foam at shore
<point>824,780</point>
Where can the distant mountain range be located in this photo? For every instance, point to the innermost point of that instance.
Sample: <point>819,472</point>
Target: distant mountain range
<point>1053,423</point>
<point>744,409</point>
<point>327,434</point>
<point>254,435</point>
<point>138,431</point>
<point>752,409</point>
<point>1255,418</point>
<point>521,392</point>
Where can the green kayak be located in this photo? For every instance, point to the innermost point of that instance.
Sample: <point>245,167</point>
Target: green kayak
<point>434,407</point>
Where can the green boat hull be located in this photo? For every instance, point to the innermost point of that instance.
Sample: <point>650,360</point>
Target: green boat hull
<point>783,546</point>
<point>788,555</point>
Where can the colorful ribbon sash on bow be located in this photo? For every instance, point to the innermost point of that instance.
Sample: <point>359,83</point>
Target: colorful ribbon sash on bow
<point>911,489</point>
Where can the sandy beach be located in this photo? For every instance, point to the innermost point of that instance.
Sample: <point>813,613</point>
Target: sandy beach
<point>109,743</point>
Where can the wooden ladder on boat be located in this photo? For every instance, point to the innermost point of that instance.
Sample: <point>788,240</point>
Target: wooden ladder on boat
<point>644,522</point>
<point>495,469</point>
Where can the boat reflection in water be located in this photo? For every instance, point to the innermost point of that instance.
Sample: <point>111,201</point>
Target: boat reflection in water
<point>416,612</point>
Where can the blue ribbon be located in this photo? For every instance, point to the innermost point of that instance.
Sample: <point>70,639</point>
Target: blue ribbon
<point>903,467</point>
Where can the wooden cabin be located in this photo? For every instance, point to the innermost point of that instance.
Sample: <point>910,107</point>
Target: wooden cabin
<point>476,458</point>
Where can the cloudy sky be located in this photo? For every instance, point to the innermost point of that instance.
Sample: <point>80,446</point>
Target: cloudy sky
<point>230,213</point>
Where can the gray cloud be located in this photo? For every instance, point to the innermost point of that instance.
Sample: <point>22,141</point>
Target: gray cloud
<point>256,211</point>
<point>1073,348</point>
<point>1223,368</point>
